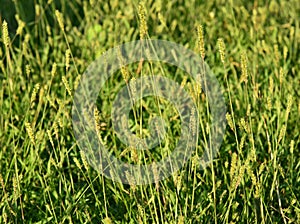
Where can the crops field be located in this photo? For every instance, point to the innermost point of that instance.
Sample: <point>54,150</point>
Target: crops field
<point>66,157</point>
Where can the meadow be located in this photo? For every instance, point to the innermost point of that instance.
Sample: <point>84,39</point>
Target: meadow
<point>252,48</point>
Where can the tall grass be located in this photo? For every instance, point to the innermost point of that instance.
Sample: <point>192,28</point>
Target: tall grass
<point>253,49</point>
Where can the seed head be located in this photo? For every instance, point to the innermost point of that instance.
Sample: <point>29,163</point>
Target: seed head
<point>140,210</point>
<point>30,132</point>
<point>292,145</point>
<point>183,82</point>
<point>156,176</point>
<point>281,133</point>
<point>281,75</point>
<point>285,52</point>
<point>68,56</point>
<point>53,71</point>
<point>60,20</point>
<point>242,143</point>
<point>76,82</point>
<point>84,161</point>
<point>125,73</point>
<point>240,176</point>
<point>244,125</point>
<point>244,68</point>
<point>130,180</point>
<point>289,105</point>
<point>233,166</point>
<point>67,86</point>
<point>132,85</point>
<point>230,121</point>
<point>221,49</point>
<point>76,161</point>
<point>5,35</point>
<point>200,36</point>
<point>143,23</point>
<point>16,192</point>
<point>55,128</point>
<point>34,92</point>
<point>193,125</point>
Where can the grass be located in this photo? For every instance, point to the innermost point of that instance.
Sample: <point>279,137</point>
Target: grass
<point>252,48</point>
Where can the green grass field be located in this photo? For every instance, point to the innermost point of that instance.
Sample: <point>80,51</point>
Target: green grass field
<point>253,49</point>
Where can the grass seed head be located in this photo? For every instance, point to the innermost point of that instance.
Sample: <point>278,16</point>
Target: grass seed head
<point>5,34</point>
<point>233,166</point>
<point>285,52</point>
<point>242,143</point>
<point>281,133</point>
<point>132,85</point>
<point>76,161</point>
<point>200,41</point>
<point>130,181</point>
<point>281,75</point>
<point>34,93</point>
<point>68,56</point>
<point>230,121</point>
<point>269,103</point>
<point>76,82</point>
<point>244,66</point>
<point>125,73</point>
<point>1,181</point>
<point>240,176</point>
<point>193,124</point>
<point>134,154</point>
<point>140,210</point>
<point>48,30</point>
<point>289,105</point>
<point>53,70</point>
<point>248,110</point>
<point>183,82</point>
<point>142,17</point>
<point>271,85</point>
<point>30,132</point>
<point>60,21</point>
<point>84,161</point>
<point>292,145</point>
<point>15,188</point>
<point>244,125</point>
<point>28,70</point>
<point>221,46</point>
<point>55,128</point>
<point>156,175</point>
<point>67,86</point>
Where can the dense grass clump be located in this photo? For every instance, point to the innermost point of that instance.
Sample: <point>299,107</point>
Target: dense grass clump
<point>252,48</point>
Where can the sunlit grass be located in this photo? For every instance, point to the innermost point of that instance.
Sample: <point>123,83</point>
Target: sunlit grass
<point>253,49</point>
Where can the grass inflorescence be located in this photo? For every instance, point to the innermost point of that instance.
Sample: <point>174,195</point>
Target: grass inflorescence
<point>252,48</point>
